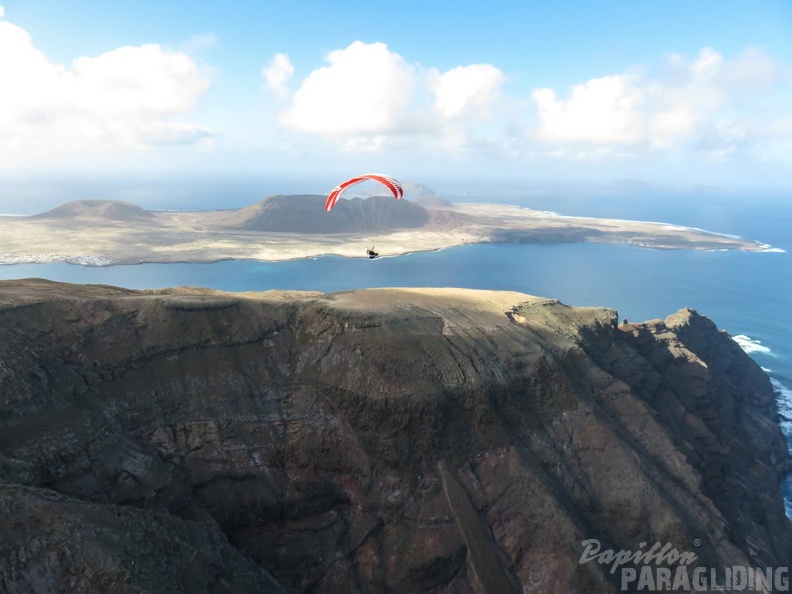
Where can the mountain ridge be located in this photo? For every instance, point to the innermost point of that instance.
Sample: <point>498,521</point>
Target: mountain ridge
<point>369,441</point>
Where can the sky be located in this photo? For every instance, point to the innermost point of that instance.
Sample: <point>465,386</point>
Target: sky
<point>676,92</point>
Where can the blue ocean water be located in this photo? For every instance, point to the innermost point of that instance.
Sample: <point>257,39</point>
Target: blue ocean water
<point>747,294</point>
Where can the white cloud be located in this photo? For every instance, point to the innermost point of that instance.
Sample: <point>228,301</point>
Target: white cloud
<point>136,80</point>
<point>468,90</point>
<point>708,104</point>
<point>751,69</point>
<point>121,100</point>
<point>365,91</point>
<point>601,111</point>
<point>278,73</point>
<point>369,96</point>
<point>2,11</point>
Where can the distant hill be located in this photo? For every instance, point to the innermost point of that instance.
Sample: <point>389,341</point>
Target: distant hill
<point>114,210</point>
<point>412,189</point>
<point>306,214</point>
<point>431,201</point>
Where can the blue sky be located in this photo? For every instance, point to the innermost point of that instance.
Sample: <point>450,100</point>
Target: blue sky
<point>676,93</point>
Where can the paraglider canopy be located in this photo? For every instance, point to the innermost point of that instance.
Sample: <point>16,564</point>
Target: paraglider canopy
<point>367,221</point>
<point>387,181</point>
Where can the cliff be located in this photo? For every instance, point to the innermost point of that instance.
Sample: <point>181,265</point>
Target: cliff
<point>391,440</point>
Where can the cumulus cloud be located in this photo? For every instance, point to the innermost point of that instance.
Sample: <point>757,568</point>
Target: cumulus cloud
<point>123,99</point>
<point>708,103</point>
<point>365,90</point>
<point>369,98</point>
<point>602,111</point>
<point>278,73</point>
<point>369,95</point>
<point>468,90</point>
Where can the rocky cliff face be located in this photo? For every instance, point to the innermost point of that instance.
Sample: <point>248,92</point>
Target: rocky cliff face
<point>369,442</point>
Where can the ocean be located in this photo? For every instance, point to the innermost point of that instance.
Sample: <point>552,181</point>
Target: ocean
<point>746,294</point>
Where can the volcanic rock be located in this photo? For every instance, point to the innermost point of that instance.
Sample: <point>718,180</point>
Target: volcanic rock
<point>306,214</point>
<point>388,440</point>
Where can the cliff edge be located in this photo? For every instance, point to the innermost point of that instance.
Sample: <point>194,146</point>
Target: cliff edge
<point>387,440</point>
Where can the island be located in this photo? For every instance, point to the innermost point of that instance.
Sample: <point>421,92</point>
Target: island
<point>279,227</point>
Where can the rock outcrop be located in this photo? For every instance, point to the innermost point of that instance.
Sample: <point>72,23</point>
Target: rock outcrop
<point>392,440</point>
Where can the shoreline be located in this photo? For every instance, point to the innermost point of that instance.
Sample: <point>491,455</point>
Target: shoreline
<point>103,262</point>
<point>204,236</point>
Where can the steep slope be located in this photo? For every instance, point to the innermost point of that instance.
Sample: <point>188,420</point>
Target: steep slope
<point>389,440</point>
<point>306,214</point>
<point>432,201</point>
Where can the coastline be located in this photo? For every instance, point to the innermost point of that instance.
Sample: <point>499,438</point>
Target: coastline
<point>199,236</point>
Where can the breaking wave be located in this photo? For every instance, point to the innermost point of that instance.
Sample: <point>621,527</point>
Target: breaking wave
<point>751,345</point>
<point>784,400</point>
<point>784,403</point>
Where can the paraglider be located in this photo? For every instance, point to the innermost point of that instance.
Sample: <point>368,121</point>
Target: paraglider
<point>387,181</point>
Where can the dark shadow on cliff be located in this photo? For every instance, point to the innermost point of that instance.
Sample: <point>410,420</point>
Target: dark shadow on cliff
<point>378,441</point>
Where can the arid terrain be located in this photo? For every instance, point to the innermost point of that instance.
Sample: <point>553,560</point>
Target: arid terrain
<point>101,233</point>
